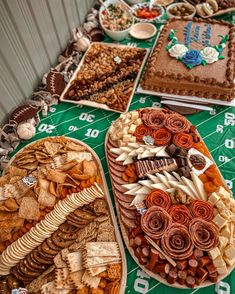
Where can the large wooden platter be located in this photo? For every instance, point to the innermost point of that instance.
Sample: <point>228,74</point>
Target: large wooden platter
<point>122,200</point>
<point>102,185</point>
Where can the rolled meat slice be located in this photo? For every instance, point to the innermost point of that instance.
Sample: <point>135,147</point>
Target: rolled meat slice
<point>203,234</point>
<point>158,198</point>
<point>176,123</point>
<point>155,221</point>
<point>176,242</point>
<point>180,214</point>
<point>142,131</point>
<point>184,141</point>
<point>202,209</point>
<point>153,118</point>
<point>161,137</point>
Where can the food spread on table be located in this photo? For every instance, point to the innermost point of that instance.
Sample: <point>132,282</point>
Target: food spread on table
<point>107,76</point>
<point>181,10</point>
<point>177,215</point>
<point>57,231</point>
<point>116,17</point>
<point>145,12</point>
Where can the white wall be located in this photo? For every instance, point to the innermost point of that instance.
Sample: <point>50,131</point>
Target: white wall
<point>32,34</point>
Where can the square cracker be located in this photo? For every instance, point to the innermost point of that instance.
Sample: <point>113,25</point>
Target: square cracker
<point>102,249</point>
<point>74,261</point>
<point>92,282</point>
<point>29,208</point>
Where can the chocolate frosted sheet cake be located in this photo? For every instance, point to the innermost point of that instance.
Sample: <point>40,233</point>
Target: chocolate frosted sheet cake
<point>193,58</point>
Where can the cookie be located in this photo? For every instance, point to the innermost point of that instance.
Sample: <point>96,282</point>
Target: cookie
<point>45,254</point>
<point>83,214</point>
<point>59,241</point>
<point>52,245</point>
<point>46,249</point>
<point>27,271</point>
<point>67,228</point>
<point>20,276</point>
<point>33,264</point>
<point>39,258</point>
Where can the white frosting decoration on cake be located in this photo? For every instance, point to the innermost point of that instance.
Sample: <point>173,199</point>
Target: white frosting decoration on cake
<point>209,54</point>
<point>178,50</point>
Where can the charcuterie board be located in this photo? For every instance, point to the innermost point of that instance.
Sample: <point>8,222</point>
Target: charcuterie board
<point>106,77</point>
<point>175,210</point>
<point>65,234</point>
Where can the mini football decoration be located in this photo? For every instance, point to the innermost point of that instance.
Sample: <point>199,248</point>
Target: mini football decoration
<point>23,113</point>
<point>55,83</point>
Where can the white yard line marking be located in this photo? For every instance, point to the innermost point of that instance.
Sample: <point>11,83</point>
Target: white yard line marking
<point>194,291</point>
<point>226,161</point>
<point>213,116</point>
<point>52,114</point>
<point>86,126</point>
<point>132,270</point>
<point>153,287</point>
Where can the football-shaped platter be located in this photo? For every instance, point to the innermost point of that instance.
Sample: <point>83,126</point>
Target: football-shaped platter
<point>57,226</point>
<point>176,213</point>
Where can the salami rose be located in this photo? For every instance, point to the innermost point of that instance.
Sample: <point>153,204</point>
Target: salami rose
<point>176,242</point>
<point>180,214</point>
<point>158,198</point>
<point>176,123</point>
<point>161,136</point>
<point>203,234</point>
<point>184,141</point>
<point>155,221</point>
<point>153,118</point>
<point>141,131</point>
<point>202,209</point>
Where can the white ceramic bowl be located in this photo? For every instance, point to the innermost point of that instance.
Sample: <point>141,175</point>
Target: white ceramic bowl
<point>146,4</point>
<point>115,35</point>
<point>143,31</point>
<point>179,5</point>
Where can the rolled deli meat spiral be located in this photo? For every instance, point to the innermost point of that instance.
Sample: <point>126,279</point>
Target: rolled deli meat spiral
<point>161,136</point>
<point>176,123</point>
<point>203,234</point>
<point>141,131</point>
<point>153,118</point>
<point>184,141</point>
<point>202,209</point>
<point>180,214</point>
<point>155,221</point>
<point>176,242</point>
<point>158,198</point>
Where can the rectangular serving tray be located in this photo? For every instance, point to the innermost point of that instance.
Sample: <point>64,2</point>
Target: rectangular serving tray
<point>100,105</point>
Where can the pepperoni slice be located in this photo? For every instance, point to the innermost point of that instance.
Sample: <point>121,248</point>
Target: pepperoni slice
<point>180,214</point>
<point>155,221</point>
<point>158,198</point>
<point>176,123</point>
<point>153,118</point>
<point>161,136</point>
<point>142,131</point>
<point>203,234</point>
<point>176,242</point>
<point>184,141</point>
<point>202,209</point>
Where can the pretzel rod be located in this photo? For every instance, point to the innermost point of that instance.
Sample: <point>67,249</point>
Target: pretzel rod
<point>171,261</point>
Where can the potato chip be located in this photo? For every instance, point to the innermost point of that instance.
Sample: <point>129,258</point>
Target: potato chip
<point>29,209</point>
<point>52,148</point>
<point>45,198</point>
<point>89,168</point>
<point>4,180</point>
<point>74,147</point>
<point>11,204</point>
<point>12,223</point>
<point>67,166</point>
<point>15,179</point>
<point>5,234</point>
<point>56,176</point>
<point>15,171</point>
<point>52,188</point>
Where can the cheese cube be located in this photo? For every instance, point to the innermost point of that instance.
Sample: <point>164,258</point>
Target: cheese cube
<point>222,270</point>
<point>133,139</point>
<point>132,129</point>
<point>229,251</point>
<point>220,205</point>
<point>214,253</point>
<point>138,122</point>
<point>222,192</point>
<point>121,143</point>
<point>213,198</point>
<point>219,262</point>
<point>126,121</point>
<point>134,114</point>
<point>226,213</point>
<point>220,221</point>
<point>229,261</point>
<point>225,232</point>
<point>127,138</point>
<point>223,241</point>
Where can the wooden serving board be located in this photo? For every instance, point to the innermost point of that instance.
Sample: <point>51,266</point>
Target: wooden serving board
<point>95,104</point>
<point>104,188</point>
<point>219,12</point>
<point>117,189</point>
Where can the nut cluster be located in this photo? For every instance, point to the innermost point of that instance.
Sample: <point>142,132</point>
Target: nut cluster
<point>107,76</point>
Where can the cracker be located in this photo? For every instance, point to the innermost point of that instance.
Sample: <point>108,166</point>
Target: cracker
<point>59,262</point>
<point>76,279</point>
<point>61,275</point>
<point>89,168</point>
<point>56,176</point>
<point>92,282</point>
<point>106,236</point>
<point>46,277</point>
<point>52,148</point>
<point>96,270</point>
<point>29,209</point>
<point>15,171</point>
<point>11,204</point>
<point>50,288</point>
<point>100,261</point>
<point>4,180</point>
<point>102,249</point>
<point>74,147</point>
<point>114,271</point>
<point>74,261</point>
<point>45,198</point>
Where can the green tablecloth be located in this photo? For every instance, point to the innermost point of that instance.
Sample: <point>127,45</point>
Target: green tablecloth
<point>90,125</point>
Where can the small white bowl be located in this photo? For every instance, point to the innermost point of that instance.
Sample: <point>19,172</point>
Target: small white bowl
<point>146,4</point>
<point>115,35</point>
<point>143,31</point>
<point>179,5</point>
<point>163,3</point>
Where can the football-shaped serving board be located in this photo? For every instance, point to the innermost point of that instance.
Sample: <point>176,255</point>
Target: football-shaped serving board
<point>176,213</point>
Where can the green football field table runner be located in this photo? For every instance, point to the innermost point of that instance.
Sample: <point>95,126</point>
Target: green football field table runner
<point>90,125</point>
